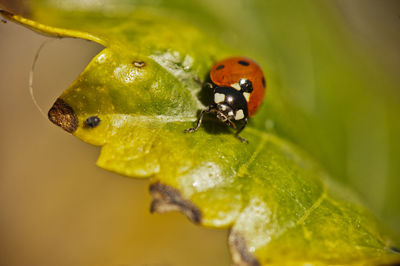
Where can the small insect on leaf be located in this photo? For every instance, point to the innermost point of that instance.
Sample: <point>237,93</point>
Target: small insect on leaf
<point>92,121</point>
<point>233,93</point>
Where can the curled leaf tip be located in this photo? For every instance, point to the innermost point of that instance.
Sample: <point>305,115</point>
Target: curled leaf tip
<point>240,253</point>
<point>48,30</point>
<point>167,199</point>
<point>63,116</point>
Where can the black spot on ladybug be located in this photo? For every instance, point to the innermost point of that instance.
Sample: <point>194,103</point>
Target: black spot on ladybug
<point>244,63</point>
<point>395,249</point>
<point>220,67</point>
<point>63,116</point>
<point>263,82</point>
<point>167,198</point>
<point>139,64</point>
<point>92,121</point>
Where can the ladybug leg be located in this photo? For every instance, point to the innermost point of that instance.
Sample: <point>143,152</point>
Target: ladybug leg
<point>240,130</point>
<point>193,129</point>
<point>230,123</point>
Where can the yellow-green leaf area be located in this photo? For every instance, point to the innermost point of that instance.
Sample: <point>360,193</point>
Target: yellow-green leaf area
<point>281,206</point>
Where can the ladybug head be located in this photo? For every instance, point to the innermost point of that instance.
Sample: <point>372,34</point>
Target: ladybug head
<point>246,85</point>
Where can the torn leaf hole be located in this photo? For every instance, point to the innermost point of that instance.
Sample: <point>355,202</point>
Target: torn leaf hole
<point>167,199</point>
<point>240,253</point>
<point>63,116</point>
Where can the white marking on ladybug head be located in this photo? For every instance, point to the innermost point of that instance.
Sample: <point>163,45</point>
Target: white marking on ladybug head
<point>219,97</point>
<point>246,96</point>
<point>230,114</point>
<point>223,107</point>
<point>236,86</point>
<point>239,114</point>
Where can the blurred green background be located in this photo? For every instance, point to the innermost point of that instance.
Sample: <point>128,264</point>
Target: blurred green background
<point>333,73</point>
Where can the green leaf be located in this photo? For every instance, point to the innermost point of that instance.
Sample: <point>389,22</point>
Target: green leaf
<point>281,206</point>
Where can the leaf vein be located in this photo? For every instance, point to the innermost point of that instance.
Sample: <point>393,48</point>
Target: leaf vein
<point>243,170</point>
<point>307,213</point>
<point>316,204</point>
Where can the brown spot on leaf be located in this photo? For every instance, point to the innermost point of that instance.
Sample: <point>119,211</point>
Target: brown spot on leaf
<point>63,116</point>
<point>167,198</point>
<point>240,253</point>
<point>139,64</point>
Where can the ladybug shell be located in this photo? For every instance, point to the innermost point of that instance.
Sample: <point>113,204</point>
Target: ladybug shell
<point>229,71</point>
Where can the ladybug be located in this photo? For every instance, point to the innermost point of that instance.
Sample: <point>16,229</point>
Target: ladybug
<point>239,86</point>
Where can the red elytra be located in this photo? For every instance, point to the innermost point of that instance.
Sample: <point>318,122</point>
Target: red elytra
<point>229,71</point>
